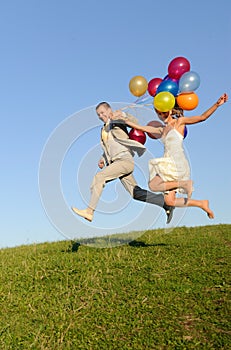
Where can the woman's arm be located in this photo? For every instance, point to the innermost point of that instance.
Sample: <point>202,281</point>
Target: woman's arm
<point>132,124</point>
<point>205,115</point>
<point>122,116</point>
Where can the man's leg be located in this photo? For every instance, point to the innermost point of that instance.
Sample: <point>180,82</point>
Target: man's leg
<point>158,199</point>
<point>143,195</point>
<point>146,196</point>
<point>113,171</point>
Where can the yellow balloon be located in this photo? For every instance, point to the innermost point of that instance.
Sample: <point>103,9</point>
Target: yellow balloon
<point>164,101</point>
<point>138,85</point>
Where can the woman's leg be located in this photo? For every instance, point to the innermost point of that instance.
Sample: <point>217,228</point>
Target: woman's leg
<point>170,199</point>
<point>157,184</point>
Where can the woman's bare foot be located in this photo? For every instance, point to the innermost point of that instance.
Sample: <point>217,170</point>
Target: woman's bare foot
<point>205,207</point>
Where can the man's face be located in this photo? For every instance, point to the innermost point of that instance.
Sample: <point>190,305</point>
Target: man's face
<point>104,113</point>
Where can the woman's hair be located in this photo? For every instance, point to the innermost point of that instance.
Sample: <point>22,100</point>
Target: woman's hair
<point>177,111</point>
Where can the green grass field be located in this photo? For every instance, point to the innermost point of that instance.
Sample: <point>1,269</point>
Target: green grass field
<point>160,291</point>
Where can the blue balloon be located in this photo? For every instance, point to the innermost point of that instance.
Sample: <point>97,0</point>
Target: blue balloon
<point>189,81</point>
<point>185,132</point>
<point>168,85</point>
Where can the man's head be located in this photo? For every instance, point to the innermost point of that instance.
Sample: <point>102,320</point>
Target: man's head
<point>104,111</point>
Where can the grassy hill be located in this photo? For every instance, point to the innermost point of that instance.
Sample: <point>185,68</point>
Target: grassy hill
<point>160,291</point>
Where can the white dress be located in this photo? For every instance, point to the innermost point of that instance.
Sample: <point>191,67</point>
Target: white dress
<point>174,164</point>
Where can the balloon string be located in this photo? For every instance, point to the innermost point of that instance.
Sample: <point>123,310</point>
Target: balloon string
<point>134,105</point>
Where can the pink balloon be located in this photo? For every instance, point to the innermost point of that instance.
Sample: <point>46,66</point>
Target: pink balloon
<point>155,124</point>
<point>153,85</point>
<point>137,135</point>
<point>177,67</point>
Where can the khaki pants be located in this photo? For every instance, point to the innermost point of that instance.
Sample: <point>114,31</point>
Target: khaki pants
<point>120,169</point>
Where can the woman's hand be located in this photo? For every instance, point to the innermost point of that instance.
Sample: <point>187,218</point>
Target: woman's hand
<point>222,99</point>
<point>118,115</point>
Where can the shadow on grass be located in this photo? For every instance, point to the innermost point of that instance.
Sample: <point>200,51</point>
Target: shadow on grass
<point>138,244</point>
<point>135,244</point>
<point>73,248</point>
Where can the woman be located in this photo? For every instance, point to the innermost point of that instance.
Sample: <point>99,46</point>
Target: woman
<point>171,173</point>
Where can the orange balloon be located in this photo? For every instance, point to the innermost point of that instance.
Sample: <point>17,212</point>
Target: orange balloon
<point>138,85</point>
<point>187,100</point>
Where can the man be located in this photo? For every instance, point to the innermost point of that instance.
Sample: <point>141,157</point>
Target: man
<point>117,162</point>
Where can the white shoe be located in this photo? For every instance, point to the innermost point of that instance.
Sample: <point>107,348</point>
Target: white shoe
<point>83,213</point>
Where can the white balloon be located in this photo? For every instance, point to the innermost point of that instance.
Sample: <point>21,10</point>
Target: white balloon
<point>189,81</point>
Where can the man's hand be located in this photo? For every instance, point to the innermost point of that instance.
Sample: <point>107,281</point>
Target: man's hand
<point>101,163</point>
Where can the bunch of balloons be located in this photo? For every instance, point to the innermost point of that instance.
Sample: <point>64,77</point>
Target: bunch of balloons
<point>177,87</point>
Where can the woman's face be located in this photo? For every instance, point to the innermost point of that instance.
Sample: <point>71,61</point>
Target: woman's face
<point>163,116</point>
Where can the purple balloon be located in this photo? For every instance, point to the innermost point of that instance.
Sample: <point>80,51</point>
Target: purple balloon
<point>167,77</point>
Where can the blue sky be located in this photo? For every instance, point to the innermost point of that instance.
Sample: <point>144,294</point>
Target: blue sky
<point>58,60</point>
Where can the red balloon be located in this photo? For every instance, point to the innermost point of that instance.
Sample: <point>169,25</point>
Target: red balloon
<point>177,67</point>
<point>153,85</point>
<point>137,135</point>
<point>155,124</point>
